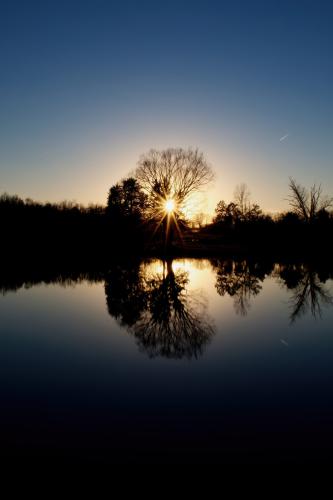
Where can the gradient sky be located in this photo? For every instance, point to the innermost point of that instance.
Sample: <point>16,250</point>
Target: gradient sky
<point>87,87</point>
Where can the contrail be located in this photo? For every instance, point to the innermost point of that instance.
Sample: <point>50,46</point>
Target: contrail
<point>283,137</point>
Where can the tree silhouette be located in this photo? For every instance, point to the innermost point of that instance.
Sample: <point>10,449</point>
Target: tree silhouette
<point>171,176</point>
<point>239,211</point>
<point>126,215</point>
<point>126,200</point>
<point>242,199</point>
<point>226,214</point>
<point>307,203</point>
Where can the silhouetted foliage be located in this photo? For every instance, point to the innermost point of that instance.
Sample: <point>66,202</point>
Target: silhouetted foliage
<point>308,203</point>
<point>127,200</point>
<point>240,210</point>
<point>135,220</point>
<point>243,223</point>
<point>242,199</point>
<point>30,227</point>
<point>126,211</point>
<point>227,214</point>
<point>171,174</point>
<point>68,229</point>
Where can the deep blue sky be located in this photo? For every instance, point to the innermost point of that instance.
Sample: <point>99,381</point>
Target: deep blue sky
<point>86,87</point>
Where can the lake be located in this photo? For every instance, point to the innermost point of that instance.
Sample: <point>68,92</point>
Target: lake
<point>179,361</point>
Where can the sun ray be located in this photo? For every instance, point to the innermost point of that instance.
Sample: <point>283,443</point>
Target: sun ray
<point>170,205</point>
<point>166,212</point>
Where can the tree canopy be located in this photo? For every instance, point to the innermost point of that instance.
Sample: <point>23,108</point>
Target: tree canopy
<point>239,210</point>
<point>126,199</point>
<point>307,203</point>
<point>173,173</point>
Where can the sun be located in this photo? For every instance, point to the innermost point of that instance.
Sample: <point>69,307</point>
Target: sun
<point>169,206</point>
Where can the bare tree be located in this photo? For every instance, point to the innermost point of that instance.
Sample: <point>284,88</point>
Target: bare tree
<point>306,203</point>
<point>242,198</point>
<point>172,174</point>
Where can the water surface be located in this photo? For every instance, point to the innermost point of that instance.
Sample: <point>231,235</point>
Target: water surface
<point>185,360</point>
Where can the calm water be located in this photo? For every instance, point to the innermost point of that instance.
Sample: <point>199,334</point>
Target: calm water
<point>190,360</point>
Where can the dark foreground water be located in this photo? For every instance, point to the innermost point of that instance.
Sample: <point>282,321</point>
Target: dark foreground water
<point>183,361</point>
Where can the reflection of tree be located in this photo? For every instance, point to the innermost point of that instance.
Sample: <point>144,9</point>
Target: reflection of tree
<point>240,280</point>
<point>308,291</point>
<point>125,295</point>
<point>158,310</point>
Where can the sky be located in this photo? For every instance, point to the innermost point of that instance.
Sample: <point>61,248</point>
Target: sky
<point>87,87</point>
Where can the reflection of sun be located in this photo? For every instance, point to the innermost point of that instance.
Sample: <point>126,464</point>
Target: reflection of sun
<point>169,205</point>
<point>198,271</point>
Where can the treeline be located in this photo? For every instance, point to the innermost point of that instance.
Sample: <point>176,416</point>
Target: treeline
<point>29,227</point>
<point>71,230</point>
<point>254,230</point>
<point>130,223</point>
<point>306,228</point>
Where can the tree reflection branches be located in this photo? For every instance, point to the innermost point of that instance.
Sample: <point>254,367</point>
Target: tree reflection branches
<point>309,292</point>
<point>125,293</point>
<point>157,308</point>
<point>239,280</point>
<point>154,301</point>
<point>243,279</point>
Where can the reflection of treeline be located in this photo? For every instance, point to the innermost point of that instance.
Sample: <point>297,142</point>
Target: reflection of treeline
<point>13,279</point>
<point>241,280</point>
<point>151,302</point>
<point>167,318</point>
<point>307,286</point>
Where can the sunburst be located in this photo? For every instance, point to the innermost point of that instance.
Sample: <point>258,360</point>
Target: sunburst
<point>169,205</point>
<point>167,212</point>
